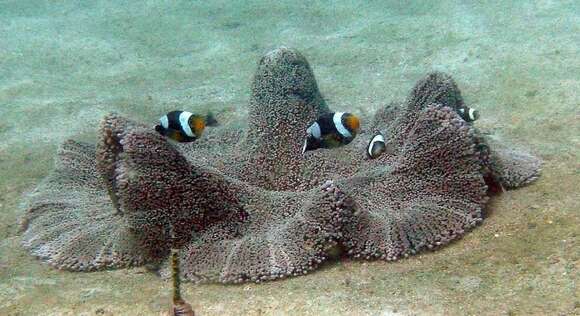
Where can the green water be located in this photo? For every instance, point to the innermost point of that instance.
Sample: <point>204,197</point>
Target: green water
<point>65,64</point>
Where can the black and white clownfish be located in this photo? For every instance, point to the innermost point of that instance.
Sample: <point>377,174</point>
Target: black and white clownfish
<point>468,114</point>
<point>181,126</point>
<point>376,146</point>
<point>331,130</point>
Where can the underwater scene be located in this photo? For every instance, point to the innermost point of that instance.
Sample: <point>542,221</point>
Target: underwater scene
<point>289,157</point>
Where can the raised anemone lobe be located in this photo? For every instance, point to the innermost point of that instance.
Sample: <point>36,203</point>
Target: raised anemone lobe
<point>286,234</point>
<point>435,88</point>
<point>510,166</point>
<point>72,224</point>
<point>429,192</point>
<point>140,198</point>
<point>285,101</point>
<point>505,164</point>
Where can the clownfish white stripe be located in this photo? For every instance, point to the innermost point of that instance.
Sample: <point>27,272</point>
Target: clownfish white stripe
<point>164,121</point>
<point>472,114</point>
<point>377,138</point>
<point>337,119</point>
<point>314,130</point>
<point>328,131</point>
<point>184,123</point>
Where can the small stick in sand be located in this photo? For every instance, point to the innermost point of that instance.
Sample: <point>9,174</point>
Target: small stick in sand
<point>179,307</point>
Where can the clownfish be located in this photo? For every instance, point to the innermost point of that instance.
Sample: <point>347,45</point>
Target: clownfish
<point>331,130</point>
<point>376,146</point>
<point>181,126</point>
<point>468,114</point>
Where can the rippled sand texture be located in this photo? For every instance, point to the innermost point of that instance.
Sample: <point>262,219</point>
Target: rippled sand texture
<point>63,66</point>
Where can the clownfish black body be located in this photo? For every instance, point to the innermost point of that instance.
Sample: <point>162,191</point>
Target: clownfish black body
<point>468,114</point>
<point>181,126</point>
<point>331,130</point>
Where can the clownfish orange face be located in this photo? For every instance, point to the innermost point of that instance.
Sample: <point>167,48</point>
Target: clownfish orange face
<point>352,122</point>
<point>197,124</point>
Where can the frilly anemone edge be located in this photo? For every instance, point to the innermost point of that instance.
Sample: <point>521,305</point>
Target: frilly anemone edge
<point>246,205</point>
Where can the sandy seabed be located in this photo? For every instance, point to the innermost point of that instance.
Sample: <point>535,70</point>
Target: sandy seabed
<point>64,65</point>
